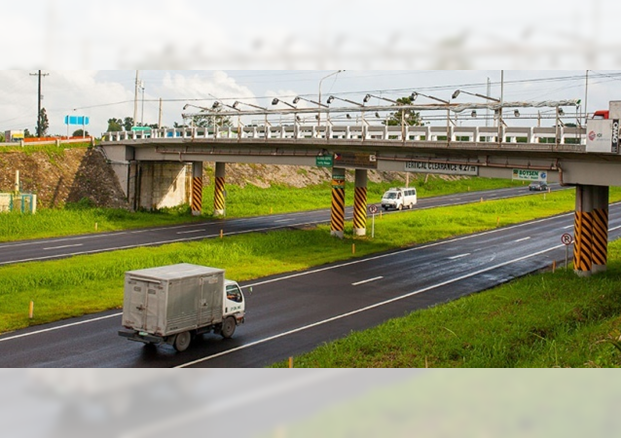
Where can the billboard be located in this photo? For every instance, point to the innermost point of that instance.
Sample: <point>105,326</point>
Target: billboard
<point>603,136</point>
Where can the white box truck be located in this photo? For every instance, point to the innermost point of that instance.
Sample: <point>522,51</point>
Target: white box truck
<point>172,304</point>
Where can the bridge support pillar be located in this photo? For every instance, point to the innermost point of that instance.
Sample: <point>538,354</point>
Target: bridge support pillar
<point>590,230</point>
<point>196,201</point>
<point>600,229</point>
<point>218,196</point>
<point>360,203</point>
<point>337,220</point>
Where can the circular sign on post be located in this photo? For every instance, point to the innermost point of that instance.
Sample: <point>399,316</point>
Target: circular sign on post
<point>567,239</point>
<point>372,209</point>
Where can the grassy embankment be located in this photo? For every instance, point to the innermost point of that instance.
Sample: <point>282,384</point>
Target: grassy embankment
<point>467,332</point>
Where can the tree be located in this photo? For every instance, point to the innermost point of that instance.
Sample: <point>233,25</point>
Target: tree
<point>128,123</point>
<point>80,133</point>
<point>115,125</point>
<point>43,123</point>
<point>409,117</point>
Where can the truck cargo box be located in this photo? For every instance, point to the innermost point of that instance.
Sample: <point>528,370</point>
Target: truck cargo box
<point>172,299</point>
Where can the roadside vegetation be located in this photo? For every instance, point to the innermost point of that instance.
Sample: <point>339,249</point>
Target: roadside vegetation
<point>92,283</point>
<point>83,218</point>
<point>542,320</point>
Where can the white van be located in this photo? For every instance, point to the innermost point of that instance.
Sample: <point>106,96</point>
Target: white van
<point>399,198</point>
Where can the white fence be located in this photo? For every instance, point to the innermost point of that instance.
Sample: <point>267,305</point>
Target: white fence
<point>461,134</point>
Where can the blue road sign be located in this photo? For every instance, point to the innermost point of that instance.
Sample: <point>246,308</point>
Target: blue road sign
<point>76,120</point>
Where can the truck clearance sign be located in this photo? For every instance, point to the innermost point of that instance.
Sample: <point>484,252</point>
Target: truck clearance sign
<point>443,168</point>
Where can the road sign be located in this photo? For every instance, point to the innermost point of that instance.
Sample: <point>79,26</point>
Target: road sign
<point>324,161</point>
<point>372,209</point>
<point>567,239</point>
<point>355,160</point>
<point>76,120</point>
<point>530,175</point>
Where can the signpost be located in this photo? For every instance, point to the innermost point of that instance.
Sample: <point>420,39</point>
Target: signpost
<point>356,160</point>
<point>324,161</point>
<point>567,239</point>
<point>447,168</point>
<point>530,175</point>
<point>372,210</point>
<point>77,120</point>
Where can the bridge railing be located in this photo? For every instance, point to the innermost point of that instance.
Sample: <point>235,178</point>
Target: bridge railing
<point>461,134</point>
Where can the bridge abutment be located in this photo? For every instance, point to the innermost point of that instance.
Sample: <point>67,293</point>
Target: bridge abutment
<point>360,203</point>
<point>157,185</point>
<point>590,229</point>
<point>337,215</point>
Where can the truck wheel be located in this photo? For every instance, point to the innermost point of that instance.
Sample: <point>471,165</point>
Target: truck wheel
<point>228,327</point>
<point>400,207</point>
<point>182,341</point>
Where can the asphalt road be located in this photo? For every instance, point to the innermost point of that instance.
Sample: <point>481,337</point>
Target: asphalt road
<point>291,314</point>
<point>48,249</point>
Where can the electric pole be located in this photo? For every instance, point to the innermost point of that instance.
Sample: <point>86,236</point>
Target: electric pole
<point>39,97</point>
<point>136,97</point>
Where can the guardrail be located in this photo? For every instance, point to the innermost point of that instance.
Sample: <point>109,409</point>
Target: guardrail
<point>462,134</point>
<point>56,141</point>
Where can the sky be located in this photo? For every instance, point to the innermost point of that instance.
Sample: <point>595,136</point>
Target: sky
<point>104,94</point>
<point>189,51</point>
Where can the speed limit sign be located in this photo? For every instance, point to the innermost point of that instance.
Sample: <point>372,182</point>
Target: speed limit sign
<point>567,239</point>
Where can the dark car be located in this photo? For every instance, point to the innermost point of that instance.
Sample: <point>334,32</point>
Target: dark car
<point>539,186</point>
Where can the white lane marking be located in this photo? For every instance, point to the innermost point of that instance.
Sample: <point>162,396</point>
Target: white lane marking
<point>459,256</point>
<point>364,309</point>
<point>51,329</point>
<point>63,246</point>
<point>191,231</point>
<point>567,227</point>
<point>161,242</point>
<point>522,239</point>
<point>367,281</point>
<point>300,274</point>
<point>415,248</point>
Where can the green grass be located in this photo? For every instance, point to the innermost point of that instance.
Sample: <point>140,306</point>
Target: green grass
<point>543,320</point>
<point>92,283</point>
<point>466,403</point>
<point>254,201</point>
<point>81,218</point>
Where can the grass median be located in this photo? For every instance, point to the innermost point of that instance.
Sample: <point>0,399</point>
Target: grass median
<point>91,283</point>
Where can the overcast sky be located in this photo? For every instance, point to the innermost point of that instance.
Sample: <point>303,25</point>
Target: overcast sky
<point>91,51</point>
<point>101,95</point>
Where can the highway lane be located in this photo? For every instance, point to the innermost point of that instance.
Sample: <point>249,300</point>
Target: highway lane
<point>55,248</point>
<point>293,313</point>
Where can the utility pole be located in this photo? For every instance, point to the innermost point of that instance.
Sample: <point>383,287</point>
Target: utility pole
<point>136,97</point>
<point>39,97</point>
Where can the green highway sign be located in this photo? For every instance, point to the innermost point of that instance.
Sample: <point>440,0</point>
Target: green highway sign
<point>324,161</point>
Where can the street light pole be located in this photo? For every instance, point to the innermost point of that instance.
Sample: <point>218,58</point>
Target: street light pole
<point>319,98</point>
